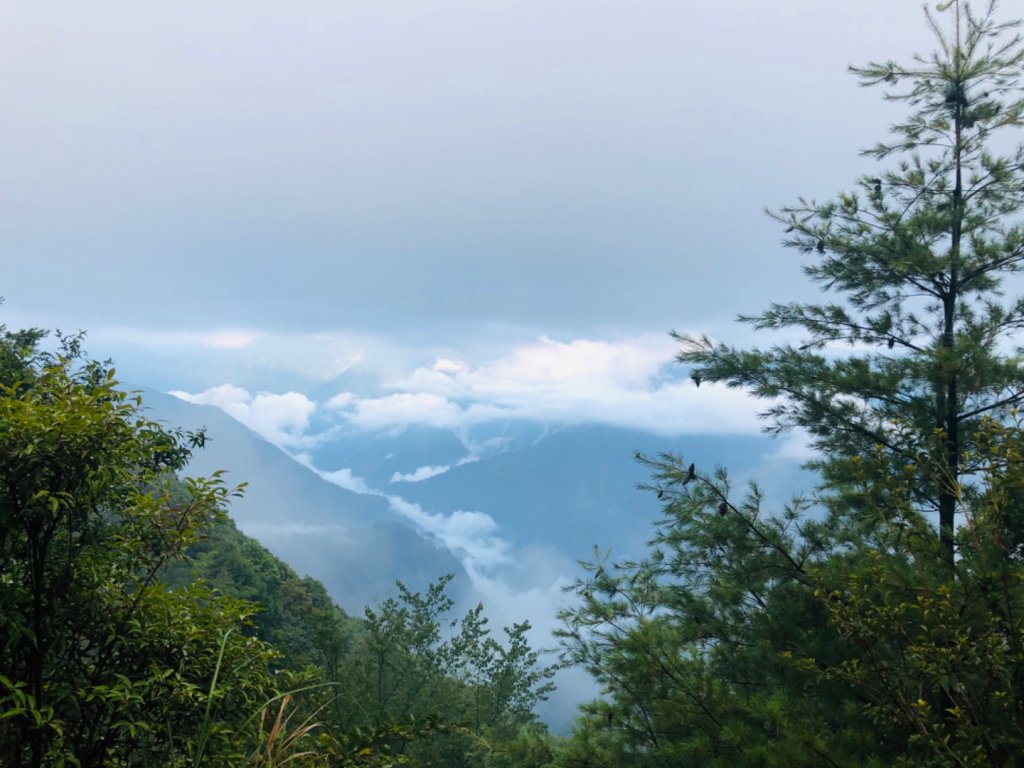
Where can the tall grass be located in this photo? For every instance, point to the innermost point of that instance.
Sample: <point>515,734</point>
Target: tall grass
<point>278,742</point>
<point>282,743</point>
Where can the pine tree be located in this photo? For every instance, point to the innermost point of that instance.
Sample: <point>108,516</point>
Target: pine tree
<point>852,635</point>
<point>917,254</point>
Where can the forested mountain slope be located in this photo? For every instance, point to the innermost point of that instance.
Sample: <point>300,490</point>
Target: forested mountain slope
<point>351,542</point>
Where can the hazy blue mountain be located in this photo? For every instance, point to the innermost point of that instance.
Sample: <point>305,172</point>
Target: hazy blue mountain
<point>554,493</point>
<point>352,543</point>
<point>563,489</point>
<point>377,457</point>
<point>577,487</point>
<point>567,488</point>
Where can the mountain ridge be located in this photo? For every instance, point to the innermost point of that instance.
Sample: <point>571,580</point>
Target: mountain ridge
<point>352,543</point>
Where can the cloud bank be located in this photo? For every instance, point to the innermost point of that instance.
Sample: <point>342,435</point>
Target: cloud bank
<point>624,384</point>
<point>627,383</point>
<point>281,419</point>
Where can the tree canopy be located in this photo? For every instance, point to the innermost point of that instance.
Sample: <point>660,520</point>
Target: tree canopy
<point>100,662</point>
<point>919,345</point>
<point>878,621</point>
<point>138,627</point>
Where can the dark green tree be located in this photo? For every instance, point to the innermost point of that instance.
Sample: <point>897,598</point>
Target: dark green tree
<point>100,662</point>
<point>936,662</point>
<point>693,644</point>
<point>130,630</point>
<point>296,615</point>
<point>503,681</point>
<point>842,630</point>
<point>918,254</point>
<point>746,638</point>
<point>460,691</point>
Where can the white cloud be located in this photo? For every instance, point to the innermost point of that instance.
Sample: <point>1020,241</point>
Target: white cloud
<point>345,479</point>
<point>626,383</point>
<point>421,473</point>
<point>340,401</point>
<point>444,365</point>
<point>546,366</point>
<point>471,536</point>
<point>583,381</point>
<point>399,410</point>
<point>426,472</point>
<point>225,397</point>
<point>281,419</point>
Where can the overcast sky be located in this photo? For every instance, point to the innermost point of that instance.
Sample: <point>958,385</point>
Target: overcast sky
<point>362,214</point>
<point>271,195</point>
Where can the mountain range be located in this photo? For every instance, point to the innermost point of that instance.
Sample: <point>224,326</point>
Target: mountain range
<point>413,500</point>
<point>350,542</point>
<point>509,508</point>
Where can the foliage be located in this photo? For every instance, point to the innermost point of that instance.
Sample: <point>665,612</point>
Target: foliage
<point>296,615</point>
<point>415,668</point>
<point>842,630</point>
<point>752,639</point>
<point>101,662</point>
<point>918,254</point>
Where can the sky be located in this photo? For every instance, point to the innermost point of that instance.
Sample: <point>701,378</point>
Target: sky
<point>271,195</point>
<point>328,214</point>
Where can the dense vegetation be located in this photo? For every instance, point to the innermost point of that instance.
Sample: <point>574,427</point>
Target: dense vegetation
<point>139,628</point>
<point>878,622</point>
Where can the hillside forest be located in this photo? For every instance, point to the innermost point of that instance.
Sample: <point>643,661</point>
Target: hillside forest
<point>876,621</point>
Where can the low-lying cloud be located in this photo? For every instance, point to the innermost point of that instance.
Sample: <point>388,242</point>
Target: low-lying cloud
<point>471,536</point>
<point>281,419</point>
<point>623,384</point>
<point>628,383</point>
